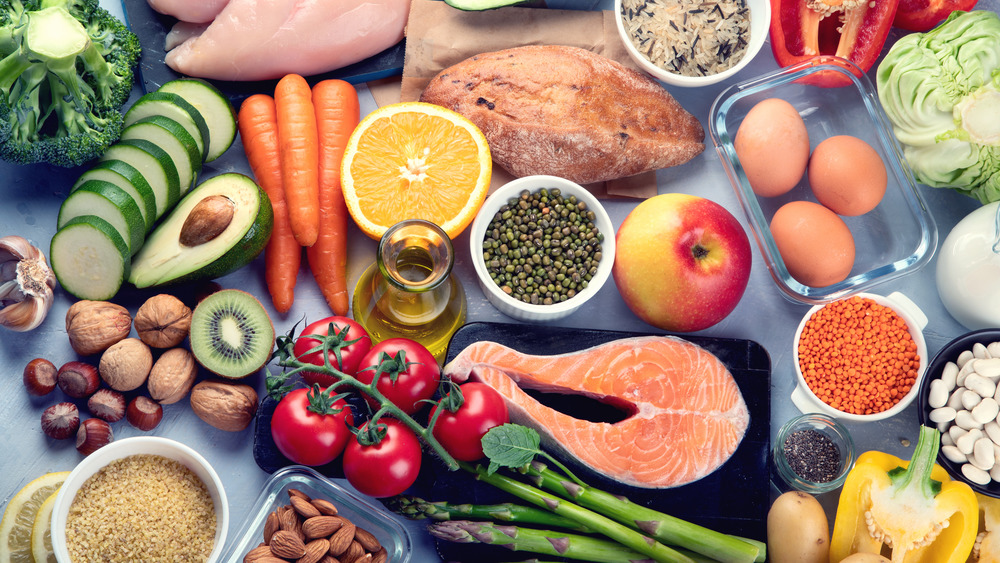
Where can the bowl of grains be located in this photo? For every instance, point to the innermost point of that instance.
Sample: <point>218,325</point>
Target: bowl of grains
<point>141,499</point>
<point>541,246</point>
<point>692,42</point>
<point>960,398</point>
<point>813,453</point>
<point>861,358</point>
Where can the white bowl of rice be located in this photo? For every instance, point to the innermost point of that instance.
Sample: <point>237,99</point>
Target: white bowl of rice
<point>145,498</point>
<point>692,42</point>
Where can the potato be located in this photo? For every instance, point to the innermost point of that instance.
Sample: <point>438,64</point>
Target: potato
<point>797,530</point>
<point>865,558</point>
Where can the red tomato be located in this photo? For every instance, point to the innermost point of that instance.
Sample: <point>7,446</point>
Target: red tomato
<point>407,372</point>
<point>461,432</point>
<point>387,468</point>
<point>352,345</point>
<point>308,437</point>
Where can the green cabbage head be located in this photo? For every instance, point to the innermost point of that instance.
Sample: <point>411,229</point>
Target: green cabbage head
<point>941,90</point>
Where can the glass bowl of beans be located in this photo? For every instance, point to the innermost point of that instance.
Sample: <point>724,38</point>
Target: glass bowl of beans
<point>106,495</point>
<point>813,453</point>
<point>960,398</point>
<point>861,358</point>
<point>542,246</point>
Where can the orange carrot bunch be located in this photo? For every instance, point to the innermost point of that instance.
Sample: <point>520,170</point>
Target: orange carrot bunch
<point>294,143</point>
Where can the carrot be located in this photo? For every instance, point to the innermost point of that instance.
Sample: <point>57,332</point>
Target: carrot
<point>337,115</point>
<point>259,131</point>
<point>298,145</point>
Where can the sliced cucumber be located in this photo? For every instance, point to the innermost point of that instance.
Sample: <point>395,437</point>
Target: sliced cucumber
<point>175,140</point>
<point>90,259</point>
<point>214,107</point>
<point>176,108</point>
<point>126,177</point>
<point>111,203</point>
<point>156,167</point>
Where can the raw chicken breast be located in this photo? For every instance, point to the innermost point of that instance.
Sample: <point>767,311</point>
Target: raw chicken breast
<point>266,39</point>
<point>194,11</point>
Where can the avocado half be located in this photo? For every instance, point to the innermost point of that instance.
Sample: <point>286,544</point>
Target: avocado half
<point>220,226</point>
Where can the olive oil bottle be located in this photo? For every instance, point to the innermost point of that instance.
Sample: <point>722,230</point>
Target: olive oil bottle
<point>409,291</point>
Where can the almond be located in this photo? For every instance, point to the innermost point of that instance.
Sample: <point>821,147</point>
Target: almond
<point>298,493</point>
<point>321,526</point>
<point>325,507</point>
<point>367,540</point>
<point>342,539</point>
<point>270,559</point>
<point>304,507</point>
<point>271,525</point>
<point>353,553</point>
<point>289,520</point>
<point>329,559</point>
<point>315,550</point>
<point>381,556</point>
<point>287,544</point>
<point>255,554</point>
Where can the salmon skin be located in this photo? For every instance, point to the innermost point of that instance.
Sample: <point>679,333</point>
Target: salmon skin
<point>686,417</point>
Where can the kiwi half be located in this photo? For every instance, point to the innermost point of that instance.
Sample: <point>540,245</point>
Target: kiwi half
<point>231,334</point>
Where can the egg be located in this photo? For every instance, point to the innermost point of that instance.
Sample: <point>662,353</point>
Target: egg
<point>815,244</point>
<point>772,145</point>
<point>847,175</point>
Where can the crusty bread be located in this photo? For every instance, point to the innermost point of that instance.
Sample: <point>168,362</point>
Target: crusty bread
<point>568,112</point>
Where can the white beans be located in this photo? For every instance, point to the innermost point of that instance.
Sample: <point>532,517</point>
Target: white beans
<point>965,406</point>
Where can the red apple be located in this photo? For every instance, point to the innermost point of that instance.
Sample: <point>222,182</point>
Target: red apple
<point>682,262</point>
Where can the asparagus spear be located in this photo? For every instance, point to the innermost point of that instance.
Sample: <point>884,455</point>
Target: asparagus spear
<point>666,528</point>
<point>417,508</point>
<point>546,542</point>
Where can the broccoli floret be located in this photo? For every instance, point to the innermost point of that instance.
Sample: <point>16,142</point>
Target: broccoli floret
<point>65,72</point>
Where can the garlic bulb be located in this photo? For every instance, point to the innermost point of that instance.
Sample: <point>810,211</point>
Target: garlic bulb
<point>26,284</point>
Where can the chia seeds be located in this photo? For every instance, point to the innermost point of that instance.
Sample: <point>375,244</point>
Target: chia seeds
<point>812,455</point>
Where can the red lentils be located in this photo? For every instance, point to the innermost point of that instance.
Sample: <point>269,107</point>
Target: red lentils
<point>858,356</point>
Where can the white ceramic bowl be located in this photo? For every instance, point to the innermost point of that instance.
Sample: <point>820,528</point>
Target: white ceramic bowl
<point>134,446</point>
<point>807,401</point>
<point>760,20</point>
<point>526,311</point>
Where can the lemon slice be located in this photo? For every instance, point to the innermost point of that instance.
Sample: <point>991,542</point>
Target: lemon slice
<point>41,536</point>
<point>19,517</point>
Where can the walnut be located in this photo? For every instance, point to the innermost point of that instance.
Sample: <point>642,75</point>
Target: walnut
<point>172,376</point>
<point>126,364</point>
<point>93,326</point>
<point>163,321</point>
<point>224,405</point>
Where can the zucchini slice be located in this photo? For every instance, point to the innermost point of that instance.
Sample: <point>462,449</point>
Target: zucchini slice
<point>176,108</point>
<point>89,258</point>
<point>126,177</point>
<point>111,203</point>
<point>156,167</point>
<point>175,140</point>
<point>214,107</point>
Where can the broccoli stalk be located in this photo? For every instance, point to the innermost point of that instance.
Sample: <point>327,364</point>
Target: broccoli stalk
<point>67,69</point>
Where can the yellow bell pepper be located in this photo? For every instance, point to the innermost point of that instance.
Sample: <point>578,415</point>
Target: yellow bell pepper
<point>987,548</point>
<point>912,510</point>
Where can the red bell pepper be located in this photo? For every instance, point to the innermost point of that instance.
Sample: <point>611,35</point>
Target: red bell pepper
<point>854,30</point>
<point>924,15</point>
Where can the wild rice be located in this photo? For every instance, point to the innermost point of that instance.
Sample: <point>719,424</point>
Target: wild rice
<point>689,37</point>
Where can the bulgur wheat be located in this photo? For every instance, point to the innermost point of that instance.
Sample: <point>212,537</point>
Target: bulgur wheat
<point>141,508</point>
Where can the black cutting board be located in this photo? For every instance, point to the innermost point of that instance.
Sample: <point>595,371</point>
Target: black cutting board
<point>151,27</point>
<point>734,499</point>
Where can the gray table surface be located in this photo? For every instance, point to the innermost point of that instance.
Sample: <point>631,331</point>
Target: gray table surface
<point>30,197</point>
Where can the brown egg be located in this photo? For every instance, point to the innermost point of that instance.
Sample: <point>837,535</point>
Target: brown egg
<point>773,147</point>
<point>815,244</point>
<point>847,175</point>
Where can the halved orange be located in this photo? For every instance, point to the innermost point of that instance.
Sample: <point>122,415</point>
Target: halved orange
<point>414,160</point>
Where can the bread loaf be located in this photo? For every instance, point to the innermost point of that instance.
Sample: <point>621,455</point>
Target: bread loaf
<point>568,112</point>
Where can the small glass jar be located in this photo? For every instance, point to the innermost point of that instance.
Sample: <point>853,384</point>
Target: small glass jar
<point>409,291</point>
<point>804,444</point>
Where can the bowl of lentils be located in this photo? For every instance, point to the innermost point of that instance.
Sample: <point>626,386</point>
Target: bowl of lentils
<point>541,247</point>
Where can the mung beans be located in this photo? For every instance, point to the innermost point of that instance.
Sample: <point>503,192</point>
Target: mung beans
<point>541,247</point>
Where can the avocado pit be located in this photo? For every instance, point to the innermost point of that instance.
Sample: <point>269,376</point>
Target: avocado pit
<point>207,220</point>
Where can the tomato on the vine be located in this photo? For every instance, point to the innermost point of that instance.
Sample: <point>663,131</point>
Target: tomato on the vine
<point>388,467</point>
<point>311,426</point>
<point>407,372</point>
<point>461,432</point>
<point>351,343</point>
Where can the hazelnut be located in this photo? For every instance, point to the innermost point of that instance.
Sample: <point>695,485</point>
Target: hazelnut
<point>126,364</point>
<point>78,379</point>
<point>163,321</point>
<point>224,405</point>
<point>144,413</point>
<point>60,421</point>
<point>172,376</point>
<point>39,377</point>
<point>93,326</point>
<point>107,404</point>
<point>93,434</point>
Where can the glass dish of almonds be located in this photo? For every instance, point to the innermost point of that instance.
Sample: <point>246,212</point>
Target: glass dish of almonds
<point>303,516</point>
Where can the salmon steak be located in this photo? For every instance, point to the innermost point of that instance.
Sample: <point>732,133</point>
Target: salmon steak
<point>685,413</point>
